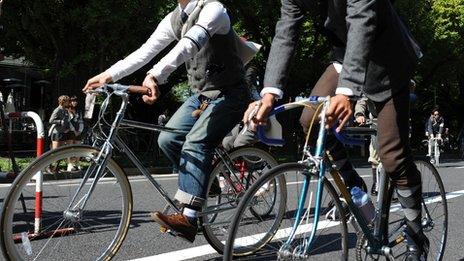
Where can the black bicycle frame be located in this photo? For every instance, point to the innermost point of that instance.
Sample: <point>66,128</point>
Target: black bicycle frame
<point>113,138</point>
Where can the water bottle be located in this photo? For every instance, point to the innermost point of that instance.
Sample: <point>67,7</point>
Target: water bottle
<point>363,202</point>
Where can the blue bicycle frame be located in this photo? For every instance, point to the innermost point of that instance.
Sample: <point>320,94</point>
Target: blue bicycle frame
<point>318,159</point>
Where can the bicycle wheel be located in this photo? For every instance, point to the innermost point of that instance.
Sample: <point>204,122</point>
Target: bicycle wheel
<point>242,168</point>
<point>266,236</point>
<point>434,217</point>
<point>91,232</point>
<point>434,209</point>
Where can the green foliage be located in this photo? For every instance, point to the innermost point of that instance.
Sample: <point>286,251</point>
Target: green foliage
<point>6,165</point>
<point>77,37</point>
<point>438,25</point>
<point>181,92</point>
<point>449,20</point>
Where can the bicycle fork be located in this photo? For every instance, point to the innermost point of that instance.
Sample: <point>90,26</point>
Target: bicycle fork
<point>74,211</point>
<point>301,250</point>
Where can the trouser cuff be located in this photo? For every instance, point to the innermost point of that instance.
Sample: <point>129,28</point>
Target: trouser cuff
<point>188,199</point>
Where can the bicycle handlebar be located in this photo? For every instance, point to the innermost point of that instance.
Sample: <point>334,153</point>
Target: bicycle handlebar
<point>116,87</point>
<point>341,136</point>
<point>260,131</point>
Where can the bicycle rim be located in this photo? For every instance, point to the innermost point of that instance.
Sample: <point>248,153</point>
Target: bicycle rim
<point>266,236</point>
<point>434,214</point>
<point>93,233</point>
<point>248,163</point>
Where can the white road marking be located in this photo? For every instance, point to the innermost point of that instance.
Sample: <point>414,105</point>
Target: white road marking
<point>204,250</point>
<point>74,182</point>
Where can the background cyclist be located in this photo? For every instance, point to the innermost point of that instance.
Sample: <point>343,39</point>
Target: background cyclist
<point>435,125</point>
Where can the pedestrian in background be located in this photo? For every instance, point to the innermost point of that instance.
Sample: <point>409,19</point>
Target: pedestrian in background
<point>364,109</point>
<point>76,126</point>
<point>59,121</point>
<point>76,121</point>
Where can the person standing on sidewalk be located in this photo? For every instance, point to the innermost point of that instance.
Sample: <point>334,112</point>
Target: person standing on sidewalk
<point>362,112</point>
<point>76,126</point>
<point>60,124</point>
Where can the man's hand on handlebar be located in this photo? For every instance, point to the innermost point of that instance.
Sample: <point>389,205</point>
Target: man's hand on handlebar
<point>97,81</point>
<point>260,109</point>
<point>340,109</point>
<point>151,83</point>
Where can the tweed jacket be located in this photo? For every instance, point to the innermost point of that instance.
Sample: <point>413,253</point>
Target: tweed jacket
<point>376,49</point>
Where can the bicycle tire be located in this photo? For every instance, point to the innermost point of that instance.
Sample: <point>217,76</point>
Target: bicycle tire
<point>215,235</point>
<point>276,232</point>
<point>432,192</point>
<point>57,240</point>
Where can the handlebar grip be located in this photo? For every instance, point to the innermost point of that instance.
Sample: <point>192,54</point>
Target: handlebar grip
<point>139,90</point>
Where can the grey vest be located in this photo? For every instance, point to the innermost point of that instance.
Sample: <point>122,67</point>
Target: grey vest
<point>217,65</point>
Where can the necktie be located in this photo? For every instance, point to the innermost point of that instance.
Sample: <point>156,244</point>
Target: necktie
<point>183,16</point>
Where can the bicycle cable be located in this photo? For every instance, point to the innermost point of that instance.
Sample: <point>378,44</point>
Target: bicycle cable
<point>318,109</point>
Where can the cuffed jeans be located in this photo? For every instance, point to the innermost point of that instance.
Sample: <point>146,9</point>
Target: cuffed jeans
<point>193,153</point>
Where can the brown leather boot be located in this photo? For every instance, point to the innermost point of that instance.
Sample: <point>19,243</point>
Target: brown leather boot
<point>178,223</point>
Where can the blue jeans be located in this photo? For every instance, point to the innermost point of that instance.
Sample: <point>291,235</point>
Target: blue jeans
<point>193,153</point>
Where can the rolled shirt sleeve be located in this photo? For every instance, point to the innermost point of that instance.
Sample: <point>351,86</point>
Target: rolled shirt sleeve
<point>276,91</point>
<point>160,39</point>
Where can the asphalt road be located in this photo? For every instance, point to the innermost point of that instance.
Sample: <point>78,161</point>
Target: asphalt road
<point>145,242</point>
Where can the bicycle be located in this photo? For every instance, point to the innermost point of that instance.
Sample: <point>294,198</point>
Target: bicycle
<point>77,206</point>
<point>434,144</point>
<point>301,227</point>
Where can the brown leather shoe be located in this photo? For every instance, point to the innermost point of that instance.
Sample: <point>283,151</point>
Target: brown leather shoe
<point>176,222</point>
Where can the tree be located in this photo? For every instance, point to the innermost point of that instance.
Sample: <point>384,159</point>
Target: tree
<point>438,26</point>
<point>75,39</point>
